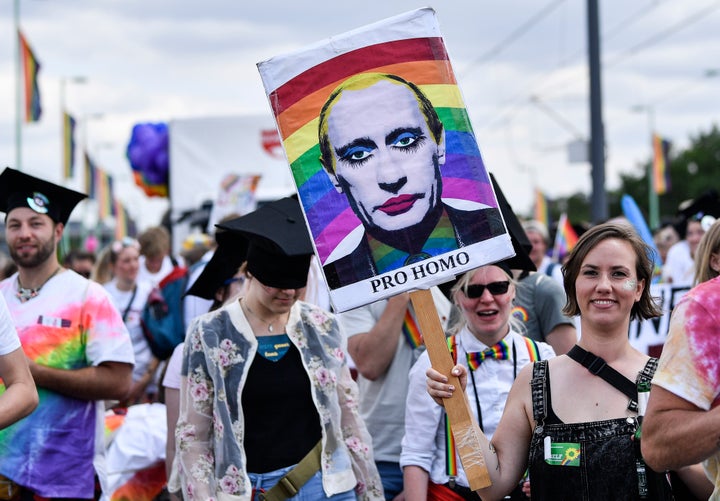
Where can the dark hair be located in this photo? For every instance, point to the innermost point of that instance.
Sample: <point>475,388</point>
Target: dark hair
<point>78,255</point>
<point>643,309</point>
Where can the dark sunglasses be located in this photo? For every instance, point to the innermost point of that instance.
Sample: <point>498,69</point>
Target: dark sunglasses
<point>474,291</point>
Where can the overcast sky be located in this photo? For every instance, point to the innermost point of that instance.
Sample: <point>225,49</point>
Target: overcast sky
<point>521,65</point>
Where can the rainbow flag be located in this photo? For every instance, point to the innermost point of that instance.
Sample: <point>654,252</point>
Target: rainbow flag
<point>565,238</point>
<point>121,220</point>
<point>90,176</point>
<point>661,167</point>
<point>30,69</point>
<point>104,194</point>
<point>541,208</point>
<point>68,130</point>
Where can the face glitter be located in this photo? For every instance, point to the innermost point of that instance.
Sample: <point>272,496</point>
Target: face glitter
<point>629,284</point>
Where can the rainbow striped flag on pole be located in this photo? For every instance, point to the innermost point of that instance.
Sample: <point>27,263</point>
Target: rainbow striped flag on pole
<point>31,67</point>
<point>565,238</point>
<point>541,208</point>
<point>661,170</point>
<point>90,176</point>
<point>68,131</point>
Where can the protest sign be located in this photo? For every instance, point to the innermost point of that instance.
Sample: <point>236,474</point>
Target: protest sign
<point>387,167</point>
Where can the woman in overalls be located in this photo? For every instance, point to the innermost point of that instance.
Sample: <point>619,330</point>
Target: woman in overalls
<point>574,430</point>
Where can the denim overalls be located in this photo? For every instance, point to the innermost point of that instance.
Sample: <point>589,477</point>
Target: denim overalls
<point>584,461</point>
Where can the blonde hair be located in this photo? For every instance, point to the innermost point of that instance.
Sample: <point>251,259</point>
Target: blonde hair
<point>709,245</point>
<point>461,286</point>
<point>363,81</point>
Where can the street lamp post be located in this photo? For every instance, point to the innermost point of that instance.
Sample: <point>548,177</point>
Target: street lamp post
<point>653,199</point>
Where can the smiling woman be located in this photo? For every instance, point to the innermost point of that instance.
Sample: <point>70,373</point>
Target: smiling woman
<point>492,349</point>
<point>606,281</point>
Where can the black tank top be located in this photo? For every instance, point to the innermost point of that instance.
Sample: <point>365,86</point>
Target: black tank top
<point>281,422</point>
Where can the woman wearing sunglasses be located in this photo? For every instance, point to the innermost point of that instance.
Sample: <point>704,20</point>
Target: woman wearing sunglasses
<point>574,421</point>
<point>488,343</point>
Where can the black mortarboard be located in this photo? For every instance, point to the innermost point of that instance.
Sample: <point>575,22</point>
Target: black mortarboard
<point>279,248</point>
<point>18,189</point>
<point>521,244</point>
<point>227,258</point>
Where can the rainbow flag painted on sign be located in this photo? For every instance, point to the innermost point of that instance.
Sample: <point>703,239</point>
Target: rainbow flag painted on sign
<point>31,89</point>
<point>296,100</point>
<point>370,64</point>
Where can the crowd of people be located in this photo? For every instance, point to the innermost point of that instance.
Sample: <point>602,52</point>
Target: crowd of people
<point>273,397</point>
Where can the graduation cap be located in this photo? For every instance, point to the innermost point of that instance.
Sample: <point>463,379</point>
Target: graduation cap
<point>279,246</point>
<point>227,258</point>
<point>18,189</point>
<point>521,244</point>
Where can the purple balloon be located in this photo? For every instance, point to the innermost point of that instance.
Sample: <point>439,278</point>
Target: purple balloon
<point>147,152</point>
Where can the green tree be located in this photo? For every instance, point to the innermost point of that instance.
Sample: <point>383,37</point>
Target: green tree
<point>693,171</point>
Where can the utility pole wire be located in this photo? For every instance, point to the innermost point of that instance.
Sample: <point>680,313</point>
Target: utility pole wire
<point>520,31</point>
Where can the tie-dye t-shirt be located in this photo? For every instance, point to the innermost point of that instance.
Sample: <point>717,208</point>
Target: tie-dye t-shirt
<point>71,324</point>
<point>690,363</point>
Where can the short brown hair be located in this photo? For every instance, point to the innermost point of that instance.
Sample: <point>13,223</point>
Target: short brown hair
<point>643,309</point>
<point>154,241</point>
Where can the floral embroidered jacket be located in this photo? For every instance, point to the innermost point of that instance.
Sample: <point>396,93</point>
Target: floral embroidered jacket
<point>219,350</point>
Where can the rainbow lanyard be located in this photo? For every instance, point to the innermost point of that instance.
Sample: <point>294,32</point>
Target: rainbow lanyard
<point>450,449</point>
<point>410,330</point>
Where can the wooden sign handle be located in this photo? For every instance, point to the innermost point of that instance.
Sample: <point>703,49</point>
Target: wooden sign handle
<point>464,426</point>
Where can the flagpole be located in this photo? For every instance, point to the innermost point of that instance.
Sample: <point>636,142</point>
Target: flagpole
<point>18,93</point>
<point>653,199</point>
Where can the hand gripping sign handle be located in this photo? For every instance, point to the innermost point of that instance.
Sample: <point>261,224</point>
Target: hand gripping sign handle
<point>464,427</point>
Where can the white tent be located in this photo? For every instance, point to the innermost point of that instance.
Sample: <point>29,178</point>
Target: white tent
<point>205,151</point>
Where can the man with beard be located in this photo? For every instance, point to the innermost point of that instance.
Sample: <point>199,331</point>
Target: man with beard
<point>382,144</point>
<point>78,349</point>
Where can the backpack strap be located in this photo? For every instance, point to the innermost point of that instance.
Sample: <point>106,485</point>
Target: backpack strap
<point>598,367</point>
<point>537,386</point>
<point>550,268</point>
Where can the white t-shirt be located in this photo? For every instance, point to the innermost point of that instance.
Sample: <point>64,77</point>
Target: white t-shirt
<point>144,275</point>
<point>679,267</point>
<point>9,340</point>
<point>120,299</point>
<point>194,306</point>
<point>172,373</point>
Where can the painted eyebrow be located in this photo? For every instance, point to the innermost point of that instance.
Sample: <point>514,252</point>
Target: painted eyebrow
<point>363,142</point>
<point>393,136</point>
